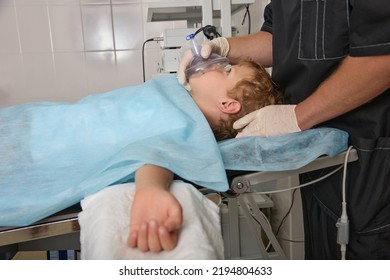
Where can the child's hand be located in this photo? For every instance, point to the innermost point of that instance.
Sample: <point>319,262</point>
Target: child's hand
<point>156,217</point>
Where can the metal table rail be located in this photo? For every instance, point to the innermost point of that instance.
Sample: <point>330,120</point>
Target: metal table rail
<point>57,232</point>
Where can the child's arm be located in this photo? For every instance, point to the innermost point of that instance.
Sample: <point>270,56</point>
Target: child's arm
<point>156,215</point>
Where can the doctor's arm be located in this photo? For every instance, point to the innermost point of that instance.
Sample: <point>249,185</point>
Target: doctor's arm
<point>256,46</point>
<point>156,215</point>
<point>356,81</point>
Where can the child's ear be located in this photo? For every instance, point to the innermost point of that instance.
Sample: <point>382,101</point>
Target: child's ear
<point>230,106</point>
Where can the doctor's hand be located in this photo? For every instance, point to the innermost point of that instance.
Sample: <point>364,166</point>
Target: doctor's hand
<point>268,121</point>
<point>219,46</point>
<point>156,217</point>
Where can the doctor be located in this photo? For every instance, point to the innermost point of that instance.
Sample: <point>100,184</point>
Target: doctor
<point>332,61</point>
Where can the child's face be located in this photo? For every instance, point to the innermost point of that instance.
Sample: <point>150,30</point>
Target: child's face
<point>210,89</point>
<point>217,78</point>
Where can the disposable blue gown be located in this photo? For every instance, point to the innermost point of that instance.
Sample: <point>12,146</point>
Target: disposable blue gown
<point>54,154</point>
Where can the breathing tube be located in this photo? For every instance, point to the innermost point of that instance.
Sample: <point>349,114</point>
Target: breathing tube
<point>200,65</point>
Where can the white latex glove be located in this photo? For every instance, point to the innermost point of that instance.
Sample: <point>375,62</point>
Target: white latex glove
<point>268,121</point>
<point>219,46</point>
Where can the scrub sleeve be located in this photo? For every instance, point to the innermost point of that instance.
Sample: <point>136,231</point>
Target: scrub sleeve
<point>310,39</point>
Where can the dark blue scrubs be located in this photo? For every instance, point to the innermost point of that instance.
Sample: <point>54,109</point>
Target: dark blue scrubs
<point>310,39</point>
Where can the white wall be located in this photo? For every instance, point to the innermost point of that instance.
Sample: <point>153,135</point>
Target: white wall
<point>63,50</point>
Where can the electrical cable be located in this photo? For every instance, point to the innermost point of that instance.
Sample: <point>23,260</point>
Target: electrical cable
<point>247,13</point>
<point>344,231</point>
<point>343,223</point>
<point>293,198</point>
<point>292,241</point>
<point>154,39</point>
<point>209,31</point>
<point>286,215</point>
<point>303,185</point>
<point>294,189</point>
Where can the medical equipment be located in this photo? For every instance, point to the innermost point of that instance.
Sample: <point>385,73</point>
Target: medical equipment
<point>196,13</point>
<point>173,42</point>
<point>343,222</point>
<point>200,65</point>
<point>244,187</point>
<point>175,38</point>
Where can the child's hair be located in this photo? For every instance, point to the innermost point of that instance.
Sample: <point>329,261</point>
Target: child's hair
<point>254,92</point>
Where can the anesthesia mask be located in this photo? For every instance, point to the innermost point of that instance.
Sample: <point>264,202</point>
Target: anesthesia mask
<point>200,65</point>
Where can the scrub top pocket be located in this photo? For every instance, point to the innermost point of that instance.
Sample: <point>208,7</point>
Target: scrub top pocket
<point>371,183</point>
<point>324,29</point>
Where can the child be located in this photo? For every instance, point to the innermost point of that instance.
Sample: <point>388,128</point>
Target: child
<point>223,96</point>
<point>54,154</point>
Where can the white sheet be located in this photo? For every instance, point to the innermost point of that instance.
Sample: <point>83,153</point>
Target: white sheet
<point>105,223</point>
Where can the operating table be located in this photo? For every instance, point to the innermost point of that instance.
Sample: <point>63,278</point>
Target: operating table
<point>61,231</point>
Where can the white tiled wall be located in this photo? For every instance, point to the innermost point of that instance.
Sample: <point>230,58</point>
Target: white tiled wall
<point>63,50</point>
